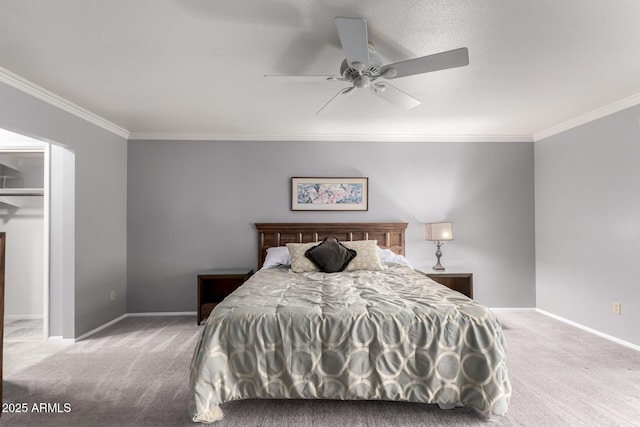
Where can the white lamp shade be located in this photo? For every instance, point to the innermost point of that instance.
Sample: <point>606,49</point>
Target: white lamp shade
<point>437,231</point>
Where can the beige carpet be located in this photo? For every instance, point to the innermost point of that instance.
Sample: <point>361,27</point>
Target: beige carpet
<point>136,373</point>
<point>22,330</point>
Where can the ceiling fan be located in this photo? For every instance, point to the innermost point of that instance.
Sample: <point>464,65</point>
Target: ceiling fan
<point>363,67</point>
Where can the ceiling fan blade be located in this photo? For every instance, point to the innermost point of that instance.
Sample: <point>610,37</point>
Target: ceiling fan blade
<point>303,79</point>
<point>354,41</point>
<point>439,61</point>
<point>341,91</point>
<point>397,97</point>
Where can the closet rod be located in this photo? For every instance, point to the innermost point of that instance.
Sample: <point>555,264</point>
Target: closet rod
<point>21,192</point>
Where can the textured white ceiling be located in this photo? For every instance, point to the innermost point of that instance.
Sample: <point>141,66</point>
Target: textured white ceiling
<point>194,68</point>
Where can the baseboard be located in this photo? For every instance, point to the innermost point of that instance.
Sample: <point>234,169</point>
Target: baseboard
<point>23,316</point>
<point>60,339</point>
<point>512,309</point>
<point>99,328</point>
<point>590,330</point>
<point>163,313</point>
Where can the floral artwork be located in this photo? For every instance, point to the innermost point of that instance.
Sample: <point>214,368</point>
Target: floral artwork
<point>329,193</point>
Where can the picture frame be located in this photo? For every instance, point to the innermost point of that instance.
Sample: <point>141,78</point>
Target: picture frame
<point>329,194</point>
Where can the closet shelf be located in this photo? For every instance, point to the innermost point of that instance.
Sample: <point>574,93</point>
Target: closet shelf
<point>21,192</point>
<point>15,196</point>
<point>21,177</point>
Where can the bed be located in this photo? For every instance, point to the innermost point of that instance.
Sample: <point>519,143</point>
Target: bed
<point>377,330</point>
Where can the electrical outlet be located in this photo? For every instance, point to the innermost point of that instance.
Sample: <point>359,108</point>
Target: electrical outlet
<point>617,308</point>
<point>113,296</point>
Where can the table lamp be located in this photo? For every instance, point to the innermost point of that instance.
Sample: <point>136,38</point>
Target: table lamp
<point>437,232</point>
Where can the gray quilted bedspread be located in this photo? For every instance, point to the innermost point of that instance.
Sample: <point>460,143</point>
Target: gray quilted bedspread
<point>375,335</point>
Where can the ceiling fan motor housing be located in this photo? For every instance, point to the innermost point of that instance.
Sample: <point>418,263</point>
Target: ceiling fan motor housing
<point>375,64</point>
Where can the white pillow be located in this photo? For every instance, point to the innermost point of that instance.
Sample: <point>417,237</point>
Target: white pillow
<point>277,256</point>
<point>299,262</point>
<point>367,256</point>
<point>387,255</point>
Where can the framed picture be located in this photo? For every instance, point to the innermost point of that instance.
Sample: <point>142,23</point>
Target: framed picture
<point>329,194</point>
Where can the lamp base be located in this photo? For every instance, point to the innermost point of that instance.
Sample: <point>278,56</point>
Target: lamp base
<point>438,266</point>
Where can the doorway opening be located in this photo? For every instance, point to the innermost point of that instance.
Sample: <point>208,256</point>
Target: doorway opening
<point>22,219</point>
<point>36,213</point>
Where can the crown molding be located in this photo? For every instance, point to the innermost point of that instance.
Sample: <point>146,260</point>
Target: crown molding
<point>582,119</point>
<point>51,98</point>
<point>36,91</point>
<point>173,136</point>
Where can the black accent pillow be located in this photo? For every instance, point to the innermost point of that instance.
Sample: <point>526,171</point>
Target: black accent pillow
<point>330,256</point>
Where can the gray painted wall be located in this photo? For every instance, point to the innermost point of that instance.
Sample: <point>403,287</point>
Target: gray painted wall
<point>181,194</point>
<point>588,224</point>
<point>100,204</point>
<point>192,206</point>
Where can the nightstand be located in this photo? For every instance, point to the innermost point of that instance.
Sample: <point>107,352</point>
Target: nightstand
<point>461,282</point>
<point>215,285</point>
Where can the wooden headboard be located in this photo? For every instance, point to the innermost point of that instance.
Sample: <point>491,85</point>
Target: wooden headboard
<point>390,235</point>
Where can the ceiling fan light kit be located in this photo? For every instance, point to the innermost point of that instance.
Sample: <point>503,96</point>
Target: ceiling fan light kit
<point>362,66</point>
